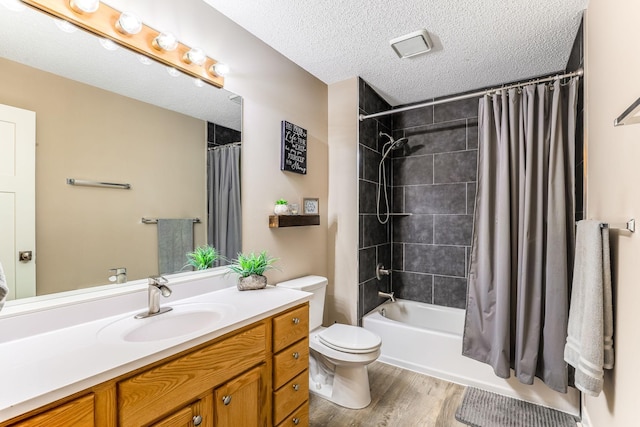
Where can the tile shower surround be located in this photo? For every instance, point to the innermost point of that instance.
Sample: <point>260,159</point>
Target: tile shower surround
<point>433,178</point>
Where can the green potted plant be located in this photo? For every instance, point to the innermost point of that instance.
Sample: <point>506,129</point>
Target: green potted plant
<point>251,267</point>
<point>281,207</point>
<point>202,257</point>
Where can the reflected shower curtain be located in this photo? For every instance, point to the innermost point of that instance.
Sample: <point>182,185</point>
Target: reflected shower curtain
<point>225,215</point>
<point>523,237</point>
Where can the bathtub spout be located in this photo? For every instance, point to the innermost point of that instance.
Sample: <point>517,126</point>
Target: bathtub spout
<point>388,295</point>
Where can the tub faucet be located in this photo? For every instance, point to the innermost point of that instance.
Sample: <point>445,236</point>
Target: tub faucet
<point>388,295</point>
<point>157,286</point>
<point>381,271</point>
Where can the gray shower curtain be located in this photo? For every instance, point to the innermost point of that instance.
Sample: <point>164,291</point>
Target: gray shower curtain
<point>523,234</point>
<point>225,216</point>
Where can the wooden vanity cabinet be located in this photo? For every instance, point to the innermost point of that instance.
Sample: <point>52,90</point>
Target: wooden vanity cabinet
<point>143,397</point>
<point>255,376</point>
<point>78,412</point>
<point>291,368</point>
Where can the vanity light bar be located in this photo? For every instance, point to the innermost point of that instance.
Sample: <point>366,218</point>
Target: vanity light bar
<point>102,23</point>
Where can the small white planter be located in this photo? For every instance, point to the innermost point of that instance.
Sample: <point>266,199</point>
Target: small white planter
<point>281,209</point>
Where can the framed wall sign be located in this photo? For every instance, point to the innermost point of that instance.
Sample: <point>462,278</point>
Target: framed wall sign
<point>293,148</point>
<point>310,206</point>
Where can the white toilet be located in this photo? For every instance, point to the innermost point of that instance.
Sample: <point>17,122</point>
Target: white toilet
<point>339,354</point>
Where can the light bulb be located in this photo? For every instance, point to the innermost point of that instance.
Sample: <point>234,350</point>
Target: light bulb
<point>198,82</point>
<point>173,72</point>
<point>145,60</point>
<point>165,41</point>
<point>66,26</point>
<point>129,24</point>
<point>219,69</point>
<point>108,44</point>
<point>84,6</point>
<point>195,56</point>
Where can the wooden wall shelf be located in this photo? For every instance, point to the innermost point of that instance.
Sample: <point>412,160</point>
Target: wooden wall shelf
<point>279,221</point>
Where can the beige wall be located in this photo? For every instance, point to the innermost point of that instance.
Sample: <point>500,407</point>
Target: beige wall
<point>273,89</point>
<point>342,295</point>
<point>87,133</point>
<point>612,83</point>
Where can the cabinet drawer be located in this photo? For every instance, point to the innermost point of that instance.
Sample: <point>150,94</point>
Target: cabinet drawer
<point>290,396</point>
<point>198,413</point>
<point>290,327</point>
<point>289,362</point>
<point>299,418</point>
<point>78,412</point>
<point>173,384</point>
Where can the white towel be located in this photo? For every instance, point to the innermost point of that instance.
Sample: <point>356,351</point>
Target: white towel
<point>589,347</point>
<point>4,290</point>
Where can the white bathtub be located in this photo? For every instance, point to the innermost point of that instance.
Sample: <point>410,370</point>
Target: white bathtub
<point>427,338</point>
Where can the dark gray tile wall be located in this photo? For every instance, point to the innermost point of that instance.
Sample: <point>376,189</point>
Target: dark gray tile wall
<point>434,179</point>
<point>576,61</point>
<point>220,135</point>
<point>374,240</point>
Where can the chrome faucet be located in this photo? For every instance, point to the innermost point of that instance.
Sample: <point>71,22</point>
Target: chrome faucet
<point>388,295</point>
<point>381,271</point>
<point>157,286</point>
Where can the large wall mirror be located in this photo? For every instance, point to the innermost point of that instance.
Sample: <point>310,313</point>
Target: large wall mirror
<point>108,116</point>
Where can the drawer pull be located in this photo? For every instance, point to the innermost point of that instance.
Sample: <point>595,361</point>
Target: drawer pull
<point>296,387</point>
<point>197,420</point>
<point>296,320</point>
<point>226,399</point>
<point>296,421</point>
<point>296,355</point>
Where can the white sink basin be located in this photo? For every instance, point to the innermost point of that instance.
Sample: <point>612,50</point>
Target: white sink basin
<point>184,319</point>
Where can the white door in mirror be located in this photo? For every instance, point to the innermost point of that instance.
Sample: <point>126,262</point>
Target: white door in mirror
<point>17,198</point>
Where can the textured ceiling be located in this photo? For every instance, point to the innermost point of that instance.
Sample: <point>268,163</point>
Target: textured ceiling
<point>478,43</point>
<point>32,38</point>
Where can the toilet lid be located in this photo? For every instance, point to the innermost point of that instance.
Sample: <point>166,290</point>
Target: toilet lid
<point>349,339</point>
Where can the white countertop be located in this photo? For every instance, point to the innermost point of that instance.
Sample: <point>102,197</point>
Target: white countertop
<point>42,368</point>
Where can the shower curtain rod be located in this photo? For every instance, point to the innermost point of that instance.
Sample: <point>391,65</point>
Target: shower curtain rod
<point>578,73</point>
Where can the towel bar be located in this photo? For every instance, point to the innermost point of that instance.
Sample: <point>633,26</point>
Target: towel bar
<point>73,181</point>
<point>155,220</point>
<point>629,225</point>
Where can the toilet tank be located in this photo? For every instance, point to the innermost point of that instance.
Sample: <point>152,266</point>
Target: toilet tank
<point>317,285</point>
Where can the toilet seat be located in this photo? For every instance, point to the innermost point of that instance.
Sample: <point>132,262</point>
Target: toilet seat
<point>349,339</point>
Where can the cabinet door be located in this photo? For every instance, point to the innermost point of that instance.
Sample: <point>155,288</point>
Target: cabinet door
<point>243,400</point>
<point>197,414</point>
<point>77,413</point>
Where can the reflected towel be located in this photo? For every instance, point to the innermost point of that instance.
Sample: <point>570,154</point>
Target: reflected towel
<point>175,240</point>
<point>4,290</point>
<point>589,347</point>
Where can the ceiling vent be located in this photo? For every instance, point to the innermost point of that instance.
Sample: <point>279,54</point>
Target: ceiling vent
<point>412,44</point>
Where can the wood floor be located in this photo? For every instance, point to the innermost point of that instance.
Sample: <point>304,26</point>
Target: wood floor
<point>399,398</point>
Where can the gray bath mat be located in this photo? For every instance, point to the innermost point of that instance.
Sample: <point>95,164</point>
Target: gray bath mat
<point>481,408</point>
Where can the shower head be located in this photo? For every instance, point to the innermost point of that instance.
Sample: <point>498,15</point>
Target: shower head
<point>392,144</point>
